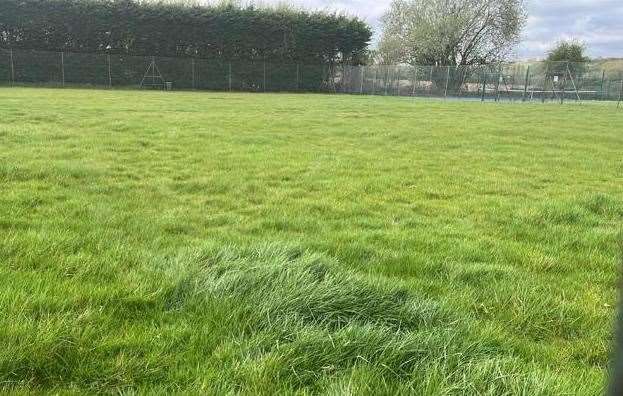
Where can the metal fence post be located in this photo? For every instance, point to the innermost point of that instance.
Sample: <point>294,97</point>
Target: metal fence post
<point>397,79</point>
<point>445,95</point>
<point>484,86</point>
<point>620,95</point>
<point>12,67</point>
<point>62,69</point>
<point>374,82</point>
<point>497,84</point>
<point>109,72</point>
<point>386,80</point>
<point>414,80</point>
<point>603,79</point>
<point>298,84</point>
<point>394,79</point>
<point>192,64</point>
<point>229,76</point>
<point>264,77</point>
<point>544,89</point>
<point>430,81</point>
<point>363,72</point>
<point>525,88</point>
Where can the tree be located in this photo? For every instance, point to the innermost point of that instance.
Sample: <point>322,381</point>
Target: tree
<point>451,32</point>
<point>567,55</point>
<point>568,51</point>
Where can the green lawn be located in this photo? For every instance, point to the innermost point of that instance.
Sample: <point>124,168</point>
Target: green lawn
<point>252,243</point>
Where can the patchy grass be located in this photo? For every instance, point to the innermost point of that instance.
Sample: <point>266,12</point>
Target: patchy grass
<point>237,243</point>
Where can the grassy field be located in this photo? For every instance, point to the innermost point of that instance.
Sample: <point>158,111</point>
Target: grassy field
<point>250,243</point>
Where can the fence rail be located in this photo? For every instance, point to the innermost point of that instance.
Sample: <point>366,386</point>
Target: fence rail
<point>539,81</point>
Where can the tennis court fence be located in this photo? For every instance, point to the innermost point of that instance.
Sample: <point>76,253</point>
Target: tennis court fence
<point>526,81</point>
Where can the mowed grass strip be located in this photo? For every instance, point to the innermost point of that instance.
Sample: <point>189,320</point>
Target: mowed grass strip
<point>241,243</point>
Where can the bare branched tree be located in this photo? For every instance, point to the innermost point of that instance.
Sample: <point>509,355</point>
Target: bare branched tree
<point>451,32</point>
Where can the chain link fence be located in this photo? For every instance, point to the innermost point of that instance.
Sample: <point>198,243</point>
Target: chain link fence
<point>538,81</point>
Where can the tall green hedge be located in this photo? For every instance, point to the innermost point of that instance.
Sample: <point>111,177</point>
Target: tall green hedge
<point>227,32</point>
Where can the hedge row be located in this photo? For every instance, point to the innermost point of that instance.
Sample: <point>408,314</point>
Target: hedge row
<point>225,32</point>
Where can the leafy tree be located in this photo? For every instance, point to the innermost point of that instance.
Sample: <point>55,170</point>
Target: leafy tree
<point>567,54</point>
<point>451,32</point>
<point>568,51</point>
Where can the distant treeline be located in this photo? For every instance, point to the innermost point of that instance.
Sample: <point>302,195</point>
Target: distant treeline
<point>225,32</point>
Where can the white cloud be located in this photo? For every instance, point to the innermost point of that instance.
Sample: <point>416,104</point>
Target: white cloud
<point>595,22</point>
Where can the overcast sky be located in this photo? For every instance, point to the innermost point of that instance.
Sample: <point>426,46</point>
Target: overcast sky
<point>599,23</point>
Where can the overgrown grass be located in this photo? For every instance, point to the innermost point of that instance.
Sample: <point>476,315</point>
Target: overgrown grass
<point>234,243</point>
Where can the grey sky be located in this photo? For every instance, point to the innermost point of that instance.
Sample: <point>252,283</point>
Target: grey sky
<point>599,23</point>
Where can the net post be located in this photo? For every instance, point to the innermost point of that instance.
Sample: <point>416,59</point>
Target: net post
<point>525,88</point>
<point>603,79</point>
<point>229,76</point>
<point>12,67</point>
<point>620,95</point>
<point>109,71</point>
<point>62,69</point>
